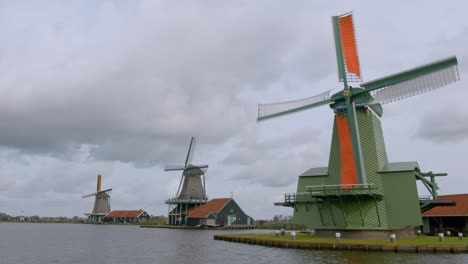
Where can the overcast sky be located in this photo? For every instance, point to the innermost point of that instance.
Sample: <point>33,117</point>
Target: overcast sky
<point>118,88</point>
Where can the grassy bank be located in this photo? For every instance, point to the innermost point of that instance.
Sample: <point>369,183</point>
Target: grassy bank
<point>309,238</point>
<point>167,226</point>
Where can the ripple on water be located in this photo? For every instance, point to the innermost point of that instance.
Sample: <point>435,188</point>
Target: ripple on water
<point>73,243</point>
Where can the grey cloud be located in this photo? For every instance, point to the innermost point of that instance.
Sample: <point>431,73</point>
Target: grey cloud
<point>446,125</point>
<point>134,80</point>
<point>449,124</point>
<point>277,171</point>
<point>119,87</point>
<point>274,162</point>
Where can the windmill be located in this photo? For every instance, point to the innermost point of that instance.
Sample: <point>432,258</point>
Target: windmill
<point>191,191</point>
<point>360,190</point>
<point>101,203</point>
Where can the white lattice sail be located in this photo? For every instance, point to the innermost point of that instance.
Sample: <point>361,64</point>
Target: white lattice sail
<point>421,80</point>
<point>275,109</point>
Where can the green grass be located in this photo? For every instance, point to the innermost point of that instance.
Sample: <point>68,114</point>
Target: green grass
<point>421,240</point>
<point>166,226</point>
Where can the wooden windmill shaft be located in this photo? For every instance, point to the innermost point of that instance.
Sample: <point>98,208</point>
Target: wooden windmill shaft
<point>360,191</point>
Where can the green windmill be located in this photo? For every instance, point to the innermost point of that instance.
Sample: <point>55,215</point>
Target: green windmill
<point>360,193</point>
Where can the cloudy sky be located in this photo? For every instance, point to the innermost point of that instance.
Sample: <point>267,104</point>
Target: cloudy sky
<point>118,88</point>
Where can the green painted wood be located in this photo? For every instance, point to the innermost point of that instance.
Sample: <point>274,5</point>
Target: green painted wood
<point>319,171</point>
<point>400,166</point>
<point>399,205</point>
<point>334,162</point>
<point>356,142</point>
<point>401,198</point>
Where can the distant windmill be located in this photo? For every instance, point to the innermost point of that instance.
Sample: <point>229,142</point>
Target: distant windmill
<point>360,189</point>
<point>101,203</point>
<point>191,191</point>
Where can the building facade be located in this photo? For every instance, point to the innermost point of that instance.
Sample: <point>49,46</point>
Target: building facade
<point>447,218</point>
<point>218,212</point>
<point>127,216</point>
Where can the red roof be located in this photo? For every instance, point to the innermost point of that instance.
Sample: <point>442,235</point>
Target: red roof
<point>460,209</point>
<point>125,213</point>
<point>188,211</point>
<point>213,206</point>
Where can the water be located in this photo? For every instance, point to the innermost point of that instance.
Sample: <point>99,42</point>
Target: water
<point>75,243</point>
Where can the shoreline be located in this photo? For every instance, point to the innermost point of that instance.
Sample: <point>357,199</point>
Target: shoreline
<point>199,228</point>
<point>285,242</point>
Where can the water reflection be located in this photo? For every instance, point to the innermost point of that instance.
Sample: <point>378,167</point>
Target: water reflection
<point>68,243</point>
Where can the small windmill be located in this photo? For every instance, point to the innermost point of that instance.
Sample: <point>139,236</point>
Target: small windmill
<point>101,203</point>
<point>355,192</point>
<point>191,191</point>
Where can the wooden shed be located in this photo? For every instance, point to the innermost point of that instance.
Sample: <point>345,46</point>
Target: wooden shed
<point>447,218</point>
<point>218,212</point>
<point>127,216</point>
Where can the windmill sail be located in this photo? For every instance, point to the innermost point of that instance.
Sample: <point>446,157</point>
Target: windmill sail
<point>349,69</point>
<point>188,160</point>
<point>88,195</point>
<point>174,167</point>
<point>266,111</point>
<point>98,188</point>
<point>190,185</point>
<point>103,191</point>
<point>101,202</point>
<point>414,81</point>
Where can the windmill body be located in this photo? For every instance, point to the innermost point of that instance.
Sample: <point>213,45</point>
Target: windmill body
<point>361,193</point>
<point>191,192</point>
<point>101,203</point>
<point>192,187</point>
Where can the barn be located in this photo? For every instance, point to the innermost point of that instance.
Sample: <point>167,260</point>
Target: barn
<point>127,216</point>
<point>218,212</point>
<point>447,218</point>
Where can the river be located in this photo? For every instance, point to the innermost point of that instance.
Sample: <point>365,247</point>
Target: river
<point>78,243</point>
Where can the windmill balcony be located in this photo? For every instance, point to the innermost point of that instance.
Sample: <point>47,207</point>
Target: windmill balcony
<point>186,201</point>
<point>342,190</point>
<point>320,192</point>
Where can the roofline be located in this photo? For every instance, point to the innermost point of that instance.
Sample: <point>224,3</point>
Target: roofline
<point>315,175</point>
<point>206,216</point>
<point>216,215</point>
<point>416,168</point>
<point>230,199</point>
<point>395,171</point>
<point>382,171</point>
<point>237,206</point>
<point>445,215</point>
<point>97,214</point>
<point>458,194</point>
<point>142,211</point>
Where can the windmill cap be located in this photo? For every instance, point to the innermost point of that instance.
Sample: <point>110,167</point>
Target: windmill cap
<point>361,99</point>
<point>193,170</point>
